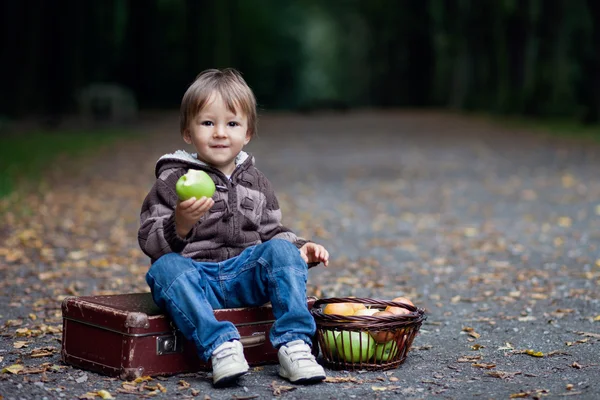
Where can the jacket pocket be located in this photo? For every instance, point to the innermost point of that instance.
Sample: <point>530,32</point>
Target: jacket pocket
<point>247,204</point>
<point>218,207</point>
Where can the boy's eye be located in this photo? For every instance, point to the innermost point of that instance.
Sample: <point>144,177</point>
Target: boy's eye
<point>233,123</point>
<point>206,123</point>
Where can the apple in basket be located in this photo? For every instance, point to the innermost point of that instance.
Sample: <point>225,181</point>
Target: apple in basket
<point>195,183</point>
<point>330,337</point>
<point>365,311</point>
<point>399,310</point>
<point>382,336</point>
<point>355,346</point>
<point>386,351</point>
<point>339,309</point>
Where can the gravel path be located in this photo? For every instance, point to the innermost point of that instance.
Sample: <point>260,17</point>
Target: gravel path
<point>494,232</point>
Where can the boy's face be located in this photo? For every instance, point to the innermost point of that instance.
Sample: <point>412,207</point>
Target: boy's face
<point>218,134</point>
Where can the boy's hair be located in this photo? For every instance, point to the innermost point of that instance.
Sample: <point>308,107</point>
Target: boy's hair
<point>230,85</point>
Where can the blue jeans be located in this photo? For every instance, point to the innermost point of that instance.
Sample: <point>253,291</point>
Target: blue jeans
<point>273,271</point>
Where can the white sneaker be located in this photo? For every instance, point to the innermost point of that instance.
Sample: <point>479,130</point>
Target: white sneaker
<point>228,363</point>
<point>298,364</point>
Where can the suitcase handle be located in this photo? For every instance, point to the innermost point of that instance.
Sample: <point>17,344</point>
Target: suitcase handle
<point>253,341</point>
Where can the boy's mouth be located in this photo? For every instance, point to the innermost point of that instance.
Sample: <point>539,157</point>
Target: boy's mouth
<point>219,146</point>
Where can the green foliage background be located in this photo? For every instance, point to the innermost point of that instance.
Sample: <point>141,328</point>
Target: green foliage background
<point>525,57</point>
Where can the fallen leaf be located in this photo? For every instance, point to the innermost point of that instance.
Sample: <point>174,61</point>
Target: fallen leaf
<point>588,334</point>
<point>507,346</point>
<point>529,352</point>
<point>577,342</point>
<point>331,379</point>
<point>503,374</point>
<point>143,379</point>
<point>20,344</point>
<point>182,385</point>
<point>13,369</point>
<point>384,388</point>
<point>42,352</point>
<point>278,389</point>
<point>465,359</point>
<point>105,394</point>
<point>576,365</point>
<point>483,365</point>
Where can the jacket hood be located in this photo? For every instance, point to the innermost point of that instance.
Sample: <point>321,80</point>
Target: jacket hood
<point>183,159</point>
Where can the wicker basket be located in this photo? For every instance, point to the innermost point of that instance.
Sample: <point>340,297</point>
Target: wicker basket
<point>366,342</point>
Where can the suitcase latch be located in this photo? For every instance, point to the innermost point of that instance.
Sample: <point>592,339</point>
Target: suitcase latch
<point>168,344</point>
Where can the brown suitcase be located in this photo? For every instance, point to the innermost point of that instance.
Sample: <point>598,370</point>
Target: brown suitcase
<point>129,336</point>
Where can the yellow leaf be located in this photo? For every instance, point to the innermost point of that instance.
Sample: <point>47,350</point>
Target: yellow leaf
<point>597,318</point>
<point>19,344</point>
<point>13,369</point>
<point>105,394</point>
<point>143,379</point>
<point>534,353</point>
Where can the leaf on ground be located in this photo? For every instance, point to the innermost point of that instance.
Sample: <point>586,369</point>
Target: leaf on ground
<point>466,359</point>
<point>13,369</point>
<point>20,344</point>
<point>471,332</point>
<point>182,385</point>
<point>529,352</point>
<point>577,342</point>
<point>484,365</point>
<point>384,388</point>
<point>557,353</point>
<point>342,379</point>
<point>588,334</point>
<point>143,379</point>
<point>42,352</point>
<point>278,389</point>
<point>507,346</point>
<point>105,394</point>
<point>503,374</point>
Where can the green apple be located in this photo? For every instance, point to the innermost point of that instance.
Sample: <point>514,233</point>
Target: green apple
<point>330,338</point>
<point>386,351</point>
<point>196,184</point>
<point>355,346</point>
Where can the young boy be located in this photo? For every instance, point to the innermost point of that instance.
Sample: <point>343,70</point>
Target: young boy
<point>230,250</point>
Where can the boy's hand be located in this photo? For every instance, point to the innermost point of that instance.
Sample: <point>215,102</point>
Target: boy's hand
<point>314,253</point>
<point>188,212</point>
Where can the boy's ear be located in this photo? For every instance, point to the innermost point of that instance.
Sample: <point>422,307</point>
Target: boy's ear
<point>187,137</point>
<point>248,137</point>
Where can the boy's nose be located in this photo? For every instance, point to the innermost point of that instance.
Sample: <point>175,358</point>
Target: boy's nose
<point>219,131</point>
